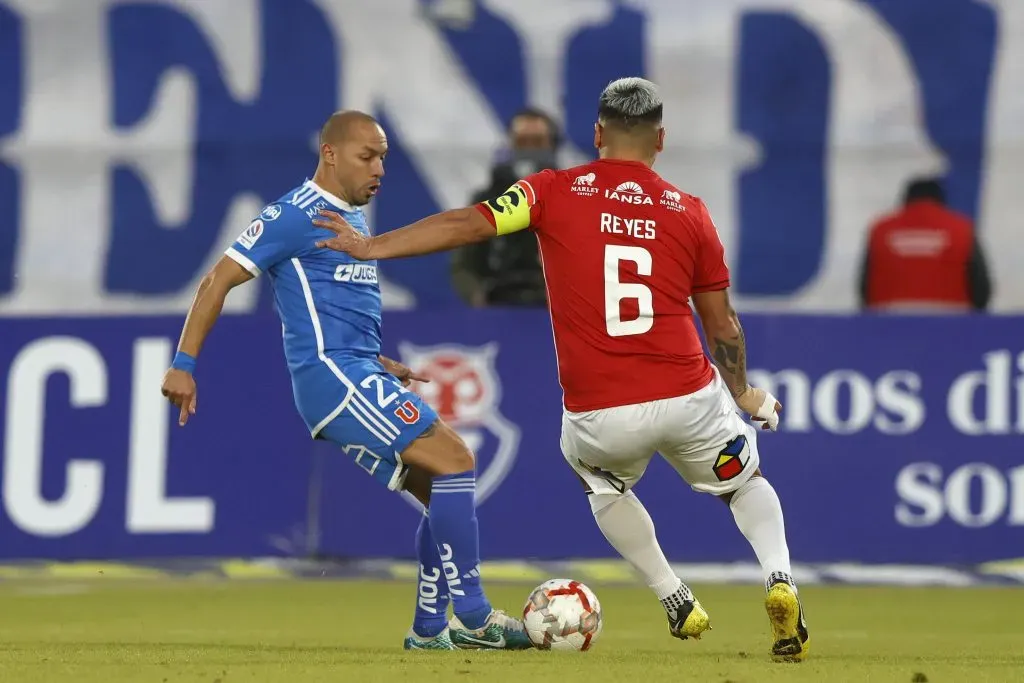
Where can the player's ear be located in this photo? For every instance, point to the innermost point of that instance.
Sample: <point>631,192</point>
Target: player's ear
<point>327,153</point>
<point>661,139</point>
<point>598,134</point>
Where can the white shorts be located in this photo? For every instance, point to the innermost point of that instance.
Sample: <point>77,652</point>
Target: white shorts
<point>701,435</point>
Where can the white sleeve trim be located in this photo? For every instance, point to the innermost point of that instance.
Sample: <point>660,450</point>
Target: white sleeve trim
<point>243,260</point>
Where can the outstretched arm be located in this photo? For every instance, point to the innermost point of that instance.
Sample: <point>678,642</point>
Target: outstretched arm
<point>179,386</point>
<point>502,215</point>
<point>440,232</point>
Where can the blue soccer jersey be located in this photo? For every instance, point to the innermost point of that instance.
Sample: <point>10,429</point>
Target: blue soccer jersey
<point>330,307</point>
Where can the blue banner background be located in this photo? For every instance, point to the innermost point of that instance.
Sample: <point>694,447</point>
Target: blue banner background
<point>775,126</point>
<point>836,461</point>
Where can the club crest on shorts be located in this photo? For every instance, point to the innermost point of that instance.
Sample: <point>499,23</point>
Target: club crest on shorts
<point>465,390</point>
<point>731,459</point>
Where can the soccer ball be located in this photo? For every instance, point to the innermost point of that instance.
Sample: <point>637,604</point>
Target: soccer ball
<point>562,614</point>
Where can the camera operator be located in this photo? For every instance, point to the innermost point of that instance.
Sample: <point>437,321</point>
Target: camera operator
<point>507,272</point>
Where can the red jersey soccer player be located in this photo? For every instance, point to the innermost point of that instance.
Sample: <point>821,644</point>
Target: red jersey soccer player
<point>623,252</point>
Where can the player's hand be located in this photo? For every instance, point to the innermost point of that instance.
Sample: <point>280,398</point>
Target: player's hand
<point>180,389</point>
<point>404,373</point>
<point>761,406</point>
<point>346,238</point>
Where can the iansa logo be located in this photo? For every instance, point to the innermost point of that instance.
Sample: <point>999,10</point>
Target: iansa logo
<point>629,192</point>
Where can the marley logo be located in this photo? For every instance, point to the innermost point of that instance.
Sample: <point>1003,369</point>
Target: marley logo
<point>731,459</point>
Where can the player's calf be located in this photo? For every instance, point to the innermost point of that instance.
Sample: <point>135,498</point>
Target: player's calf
<point>453,526</point>
<point>430,619</point>
<point>439,451</point>
<point>628,527</point>
<point>758,514</point>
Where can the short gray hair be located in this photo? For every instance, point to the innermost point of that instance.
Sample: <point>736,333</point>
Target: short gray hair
<point>629,101</point>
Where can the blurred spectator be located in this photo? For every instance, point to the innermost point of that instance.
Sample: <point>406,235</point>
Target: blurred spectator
<point>924,257</point>
<point>507,271</point>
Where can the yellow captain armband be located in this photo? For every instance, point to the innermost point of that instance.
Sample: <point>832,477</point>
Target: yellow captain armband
<point>512,209</point>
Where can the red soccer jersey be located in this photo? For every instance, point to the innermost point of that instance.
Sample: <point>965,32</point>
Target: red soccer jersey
<point>622,252</point>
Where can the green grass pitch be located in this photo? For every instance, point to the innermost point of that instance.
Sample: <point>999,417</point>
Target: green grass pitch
<point>163,631</point>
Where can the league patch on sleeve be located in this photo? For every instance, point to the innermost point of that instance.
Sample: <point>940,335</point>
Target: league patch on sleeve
<point>252,233</point>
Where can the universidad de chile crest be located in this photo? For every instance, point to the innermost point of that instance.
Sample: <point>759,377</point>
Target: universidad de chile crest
<point>465,390</point>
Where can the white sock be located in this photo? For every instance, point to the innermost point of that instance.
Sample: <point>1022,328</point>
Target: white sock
<point>758,514</point>
<point>624,521</point>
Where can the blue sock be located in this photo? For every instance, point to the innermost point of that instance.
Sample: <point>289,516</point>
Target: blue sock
<point>453,523</point>
<point>431,587</point>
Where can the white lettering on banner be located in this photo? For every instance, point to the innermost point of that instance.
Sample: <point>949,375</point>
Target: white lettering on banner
<point>860,181</point>
<point>149,509</point>
<point>545,35</point>
<point>891,404</point>
<point>23,445</point>
<point>422,87</point>
<point>1002,199</point>
<point>1000,392</point>
<point>432,99</point>
<point>68,105</point>
<point>926,497</point>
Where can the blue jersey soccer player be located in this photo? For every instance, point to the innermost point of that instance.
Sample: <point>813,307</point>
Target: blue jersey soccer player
<point>349,394</point>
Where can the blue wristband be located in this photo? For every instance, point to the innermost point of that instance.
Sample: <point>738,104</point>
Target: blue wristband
<point>183,361</point>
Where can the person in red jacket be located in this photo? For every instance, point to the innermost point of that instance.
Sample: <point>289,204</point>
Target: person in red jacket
<point>924,257</point>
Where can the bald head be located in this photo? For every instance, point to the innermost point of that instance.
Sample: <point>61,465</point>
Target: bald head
<point>343,124</point>
<point>352,150</point>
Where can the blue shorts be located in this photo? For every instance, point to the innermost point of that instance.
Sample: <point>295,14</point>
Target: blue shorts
<point>376,421</point>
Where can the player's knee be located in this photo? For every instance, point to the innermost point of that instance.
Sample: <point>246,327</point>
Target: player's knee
<point>752,481</point>
<point>440,451</point>
<point>460,458</point>
<point>602,501</point>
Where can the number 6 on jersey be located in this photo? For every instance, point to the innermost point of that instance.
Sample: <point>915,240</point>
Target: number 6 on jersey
<point>615,291</point>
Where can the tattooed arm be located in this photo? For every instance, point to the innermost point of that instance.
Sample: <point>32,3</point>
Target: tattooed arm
<point>729,350</point>
<point>725,338</point>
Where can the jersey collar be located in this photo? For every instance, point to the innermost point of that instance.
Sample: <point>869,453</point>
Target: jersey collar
<point>624,162</point>
<point>337,201</point>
